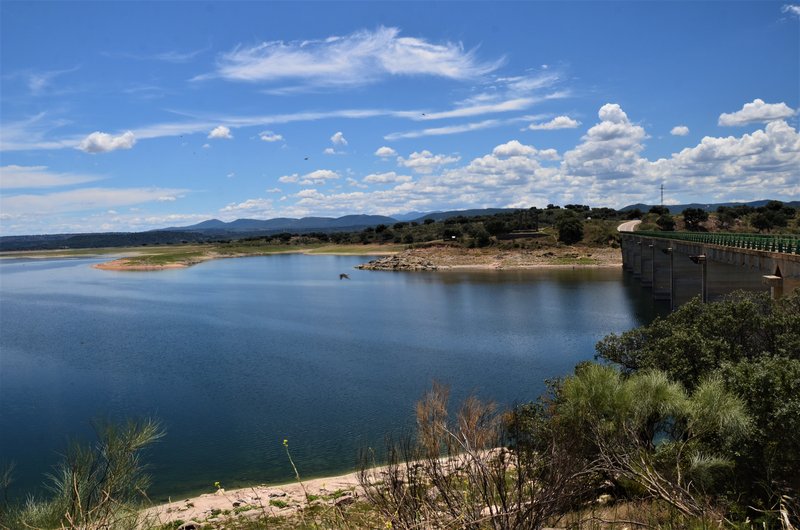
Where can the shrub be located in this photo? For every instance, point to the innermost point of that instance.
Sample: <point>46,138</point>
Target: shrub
<point>570,230</point>
<point>94,487</point>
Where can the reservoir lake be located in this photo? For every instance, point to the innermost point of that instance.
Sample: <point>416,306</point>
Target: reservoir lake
<point>235,355</point>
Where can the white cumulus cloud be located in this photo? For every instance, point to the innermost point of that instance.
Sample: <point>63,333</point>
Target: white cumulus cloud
<point>757,112</point>
<point>679,130</point>
<point>385,152</point>
<point>793,9</point>
<point>220,131</point>
<point>559,122</point>
<point>249,206</point>
<point>338,139</point>
<point>386,178</point>
<point>269,136</point>
<point>320,176</point>
<point>609,149</point>
<point>514,148</point>
<point>425,161</point>
<point>100,142</point>
<point>605,168</point>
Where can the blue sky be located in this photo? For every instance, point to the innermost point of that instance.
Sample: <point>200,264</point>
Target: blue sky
<point>128,116</point>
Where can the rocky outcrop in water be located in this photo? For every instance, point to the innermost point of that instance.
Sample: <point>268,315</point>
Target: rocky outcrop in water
<point>399,262</point>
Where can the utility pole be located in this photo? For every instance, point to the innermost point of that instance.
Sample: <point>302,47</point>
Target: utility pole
<point>662,194</point>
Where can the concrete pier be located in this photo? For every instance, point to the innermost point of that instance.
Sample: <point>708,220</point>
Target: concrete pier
<point>679,270</point>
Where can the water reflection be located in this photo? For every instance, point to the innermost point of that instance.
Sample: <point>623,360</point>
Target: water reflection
<point>236,355</point>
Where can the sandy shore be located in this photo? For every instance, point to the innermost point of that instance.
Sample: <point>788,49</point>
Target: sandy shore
<point>273,501</point>
<point>137,263</point>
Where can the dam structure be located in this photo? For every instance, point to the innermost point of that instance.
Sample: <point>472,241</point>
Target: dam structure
<point>679,266</point>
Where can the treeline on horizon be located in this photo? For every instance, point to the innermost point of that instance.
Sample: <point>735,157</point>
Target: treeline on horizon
<point>688,422</point>
<point>572,223</point>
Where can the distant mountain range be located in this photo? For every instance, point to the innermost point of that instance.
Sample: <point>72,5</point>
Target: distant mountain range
<point>214,229</point>
<point>678,208</point>
<point>287,224</point>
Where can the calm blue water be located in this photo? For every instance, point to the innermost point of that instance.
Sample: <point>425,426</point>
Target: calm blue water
<point>235,355</point>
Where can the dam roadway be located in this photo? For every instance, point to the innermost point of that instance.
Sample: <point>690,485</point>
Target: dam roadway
<point>678,266</point>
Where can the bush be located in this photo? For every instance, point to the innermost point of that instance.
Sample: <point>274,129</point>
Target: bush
<point>457,472</point>
<point>692,217</point>
<point>94,487</point>
<point>752,344</point>
<point>570,230</point>
<point>666,223</point>
<point>648,431</point>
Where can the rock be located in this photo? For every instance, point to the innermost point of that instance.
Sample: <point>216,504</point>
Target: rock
<point>190,525</point>
<point>344,500</point>
<point>604,499</point>
<point>405,261</point>
<point>274,494</point>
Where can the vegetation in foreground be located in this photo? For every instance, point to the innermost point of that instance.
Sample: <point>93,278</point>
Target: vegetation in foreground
<point>692,424</point>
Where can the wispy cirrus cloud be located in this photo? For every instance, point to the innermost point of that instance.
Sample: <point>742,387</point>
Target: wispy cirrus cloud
<point>449,129</point>
<point>459,128</point>
<point>31,133</point>
<point>19,177</point>
<point>480,109</point>
<point>84,199</point>
<point>360,58</point>
<point>40,82</point>
<point>168,56</point>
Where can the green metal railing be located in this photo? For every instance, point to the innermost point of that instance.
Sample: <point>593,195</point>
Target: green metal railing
<point>784,244</point>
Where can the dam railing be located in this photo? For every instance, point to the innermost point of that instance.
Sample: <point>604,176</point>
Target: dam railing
<point>783,244</point>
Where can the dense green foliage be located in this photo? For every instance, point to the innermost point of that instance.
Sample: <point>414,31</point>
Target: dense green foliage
<point>692,217</point>
<point>570,230</point>
<point>665,222</point>
<point>752,345</point>
<point>771,216</point>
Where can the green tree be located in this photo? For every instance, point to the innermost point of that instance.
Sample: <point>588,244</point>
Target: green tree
<point>636,213</point>
<point>659,210</point>
<point>648,431</point>
<point>692,217</point>
<point>496,227</point>
<point>666,223</point>
<point>752,344</point>
<point>570,229</point>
